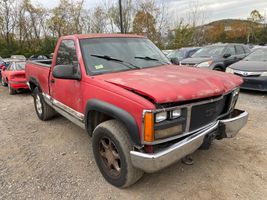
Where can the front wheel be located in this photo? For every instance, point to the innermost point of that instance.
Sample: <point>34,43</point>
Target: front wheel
<point>43,110</point>
<point>111,147</point>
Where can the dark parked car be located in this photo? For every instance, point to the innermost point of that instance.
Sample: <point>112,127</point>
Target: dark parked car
<point>253,70</point>
<point>217,57</point>
<point>38,57</point>
<point>182,53</point>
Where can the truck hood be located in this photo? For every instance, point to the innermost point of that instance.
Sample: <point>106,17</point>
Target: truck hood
<point>172,83</point>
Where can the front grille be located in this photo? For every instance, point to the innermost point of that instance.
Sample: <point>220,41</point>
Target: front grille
<point>253,75</point>
<point>204,114</point>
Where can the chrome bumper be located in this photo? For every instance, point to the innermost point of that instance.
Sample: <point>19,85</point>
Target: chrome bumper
<point>154,162</point>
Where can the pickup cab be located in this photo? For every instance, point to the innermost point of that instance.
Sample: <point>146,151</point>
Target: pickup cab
<point>142,112</point>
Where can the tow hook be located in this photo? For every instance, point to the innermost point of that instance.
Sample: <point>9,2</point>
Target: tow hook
<point>208,140</point>
<point>188,160</point>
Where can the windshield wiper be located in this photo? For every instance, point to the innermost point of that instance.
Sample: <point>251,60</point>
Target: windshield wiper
<point>109,58</point>
<point>151,59</point>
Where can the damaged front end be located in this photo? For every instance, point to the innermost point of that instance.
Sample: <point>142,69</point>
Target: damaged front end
<point>175,132</point>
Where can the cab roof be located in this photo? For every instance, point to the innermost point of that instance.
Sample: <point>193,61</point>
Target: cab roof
<point>87,36</point>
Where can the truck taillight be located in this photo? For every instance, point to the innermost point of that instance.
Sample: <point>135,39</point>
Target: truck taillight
<point>149,127</point>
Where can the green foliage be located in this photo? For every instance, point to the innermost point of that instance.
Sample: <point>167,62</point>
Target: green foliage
<point>41,46</point>
<point>183,36</point>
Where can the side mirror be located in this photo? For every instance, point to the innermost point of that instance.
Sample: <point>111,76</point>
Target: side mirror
<point>227,55</point>
<point>67,72</point>
<point>175,61</point>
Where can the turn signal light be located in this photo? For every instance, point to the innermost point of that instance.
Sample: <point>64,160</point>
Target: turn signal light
<point>149,127</point>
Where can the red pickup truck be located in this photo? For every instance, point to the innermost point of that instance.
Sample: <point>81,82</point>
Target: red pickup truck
<point>142,112</point>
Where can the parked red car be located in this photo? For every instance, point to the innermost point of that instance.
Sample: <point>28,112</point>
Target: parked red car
<point>13,76</point>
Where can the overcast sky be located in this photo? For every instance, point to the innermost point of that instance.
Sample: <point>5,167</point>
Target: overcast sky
<point>214,9</point>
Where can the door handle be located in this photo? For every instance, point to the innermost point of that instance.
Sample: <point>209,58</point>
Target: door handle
<point>52,81</point>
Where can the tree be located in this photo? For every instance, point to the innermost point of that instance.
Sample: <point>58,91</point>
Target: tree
<point>8,19</point>
<point>254,28</point>
<point>128,12</point>
<point>99,22</point>
<point>183,35</point>
<point>146,21</point>
<point>66,18</point>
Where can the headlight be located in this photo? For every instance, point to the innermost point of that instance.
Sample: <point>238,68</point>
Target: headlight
<point>154,130</point>
<point>161,116</point>
<point>204,64</point>
<point>175,114</point>
<point>235,94</point>
<point>264,74</point>
<point>229,70</point>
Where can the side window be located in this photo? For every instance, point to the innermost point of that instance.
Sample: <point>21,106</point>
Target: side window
<point>66,53</point>
<point>239,50</point>
<point>230,50</point>
<point>191,53</point>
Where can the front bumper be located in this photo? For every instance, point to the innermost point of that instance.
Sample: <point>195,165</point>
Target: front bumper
<point>255,83</point>
<point>154,162</point>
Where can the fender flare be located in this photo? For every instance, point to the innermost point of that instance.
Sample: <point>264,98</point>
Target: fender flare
<point>34,81</point>
<point>115,112</point>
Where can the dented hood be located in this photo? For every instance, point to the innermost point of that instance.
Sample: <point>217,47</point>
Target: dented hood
<point>171,83</point>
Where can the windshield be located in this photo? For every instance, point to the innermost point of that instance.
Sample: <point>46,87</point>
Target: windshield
<point>258,55</point>
<point>210,51</point>
<point>106,55</point>
<point>180,53</point>
<point>19,66</point>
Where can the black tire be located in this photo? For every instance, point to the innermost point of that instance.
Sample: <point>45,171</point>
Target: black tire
<point>3,82</point>
<point>121,143</point>
<point>43,110</point>
<point>11,91</point>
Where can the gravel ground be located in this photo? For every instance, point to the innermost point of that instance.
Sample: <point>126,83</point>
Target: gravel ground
<point>54,160</point>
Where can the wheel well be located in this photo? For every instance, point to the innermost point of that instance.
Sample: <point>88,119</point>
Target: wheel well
<point>94,119</point>
<point>32,85</point>
<point>218,67</point>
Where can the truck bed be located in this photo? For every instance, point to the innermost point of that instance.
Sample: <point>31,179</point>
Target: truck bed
<point>39,71</point>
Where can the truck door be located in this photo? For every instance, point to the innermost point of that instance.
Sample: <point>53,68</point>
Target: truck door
<point>66,92</point>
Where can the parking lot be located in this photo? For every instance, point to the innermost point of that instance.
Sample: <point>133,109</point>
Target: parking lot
<point>54,160</point>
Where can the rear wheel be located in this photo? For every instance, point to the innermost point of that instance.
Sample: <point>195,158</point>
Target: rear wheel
<point>43,110</point>
<point>111,147</point>
<point>11,90</point>
<point>3,82</point>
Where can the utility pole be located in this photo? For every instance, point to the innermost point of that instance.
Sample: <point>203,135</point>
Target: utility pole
<point>121,21</point>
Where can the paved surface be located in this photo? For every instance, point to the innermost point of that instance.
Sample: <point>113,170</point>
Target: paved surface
<point>54,160</point>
